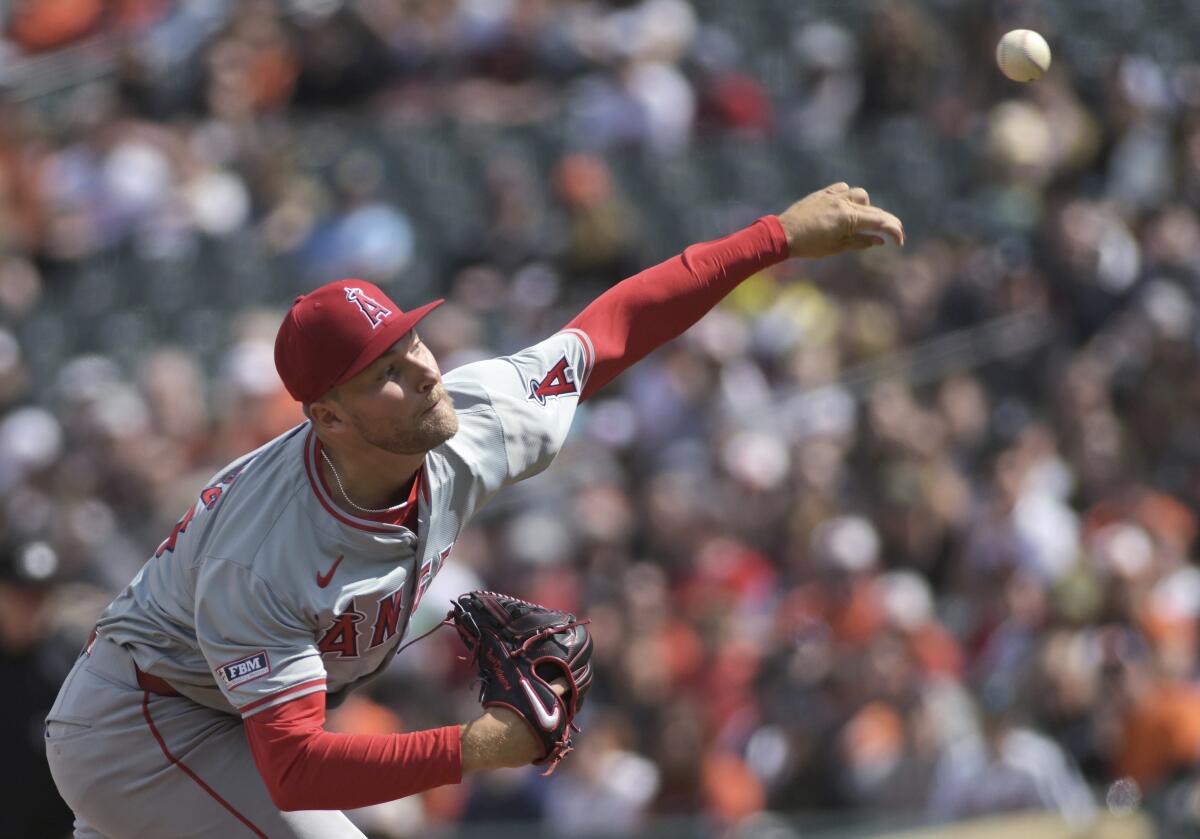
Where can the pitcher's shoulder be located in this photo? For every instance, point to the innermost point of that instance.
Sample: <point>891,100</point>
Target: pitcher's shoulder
<point>470,386</point>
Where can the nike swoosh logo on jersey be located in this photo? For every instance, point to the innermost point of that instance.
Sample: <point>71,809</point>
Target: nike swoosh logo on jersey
<point>545,719</point>
<point>323,581</point>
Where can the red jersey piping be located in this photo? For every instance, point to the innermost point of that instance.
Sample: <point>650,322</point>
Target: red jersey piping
<point>317,481</point>
<point>279,694</point>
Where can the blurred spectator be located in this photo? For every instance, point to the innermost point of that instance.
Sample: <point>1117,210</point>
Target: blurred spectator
<point>829,62</point>
<point>599,224</point>
<point>1008,768</point>
<point>32,674</point>
<point>610,786</point>
<point>46,24</point>
<point>1160,735</point>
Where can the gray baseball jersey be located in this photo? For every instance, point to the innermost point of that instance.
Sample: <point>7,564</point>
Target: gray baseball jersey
<point>267,591</point>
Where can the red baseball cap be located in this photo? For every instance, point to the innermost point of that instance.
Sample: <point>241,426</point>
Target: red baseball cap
<point>337,331</point>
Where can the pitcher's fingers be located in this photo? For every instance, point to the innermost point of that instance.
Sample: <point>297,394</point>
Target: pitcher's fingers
<point>879,221</point>
<point>862,241</point>
<point>859,196</point>
<point>840,186</point>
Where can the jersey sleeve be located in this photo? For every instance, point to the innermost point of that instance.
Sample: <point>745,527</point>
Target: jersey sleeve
<point>259,651</point>
<point>533,395</point>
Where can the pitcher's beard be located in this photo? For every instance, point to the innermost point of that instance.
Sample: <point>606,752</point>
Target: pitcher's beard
<point>430,430</point>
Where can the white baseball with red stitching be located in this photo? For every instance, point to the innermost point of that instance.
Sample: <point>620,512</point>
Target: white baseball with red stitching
<point>1023,55</point>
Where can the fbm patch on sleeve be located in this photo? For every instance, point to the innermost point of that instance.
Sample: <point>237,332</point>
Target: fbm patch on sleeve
<point>245,669</point>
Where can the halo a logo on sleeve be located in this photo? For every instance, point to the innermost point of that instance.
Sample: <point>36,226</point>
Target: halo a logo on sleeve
<point>559,381</point>
<point>245,669</point>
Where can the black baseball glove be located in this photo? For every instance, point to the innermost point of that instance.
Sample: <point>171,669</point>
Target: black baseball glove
<point>519,648</point>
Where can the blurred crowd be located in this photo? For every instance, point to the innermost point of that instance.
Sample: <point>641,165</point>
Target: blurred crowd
<point>907,532</point>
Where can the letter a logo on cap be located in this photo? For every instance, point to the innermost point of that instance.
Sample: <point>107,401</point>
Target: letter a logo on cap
<point>372,311</point>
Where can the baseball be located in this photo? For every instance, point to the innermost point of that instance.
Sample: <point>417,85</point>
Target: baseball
<point>1023,55</point>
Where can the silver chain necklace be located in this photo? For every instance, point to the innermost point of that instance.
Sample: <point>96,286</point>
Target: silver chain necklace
<point>346,495</point>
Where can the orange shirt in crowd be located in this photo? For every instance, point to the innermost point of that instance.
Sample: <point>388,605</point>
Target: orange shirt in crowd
<point>1161,734</point>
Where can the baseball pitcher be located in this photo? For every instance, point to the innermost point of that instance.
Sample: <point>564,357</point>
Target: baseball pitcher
<point>197,708</point>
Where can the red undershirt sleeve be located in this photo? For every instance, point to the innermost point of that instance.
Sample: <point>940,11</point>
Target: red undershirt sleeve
<point>306,767</point>
<point>642,313</point>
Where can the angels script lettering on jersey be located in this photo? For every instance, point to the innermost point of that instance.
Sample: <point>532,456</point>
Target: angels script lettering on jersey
<point>341,637</point>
